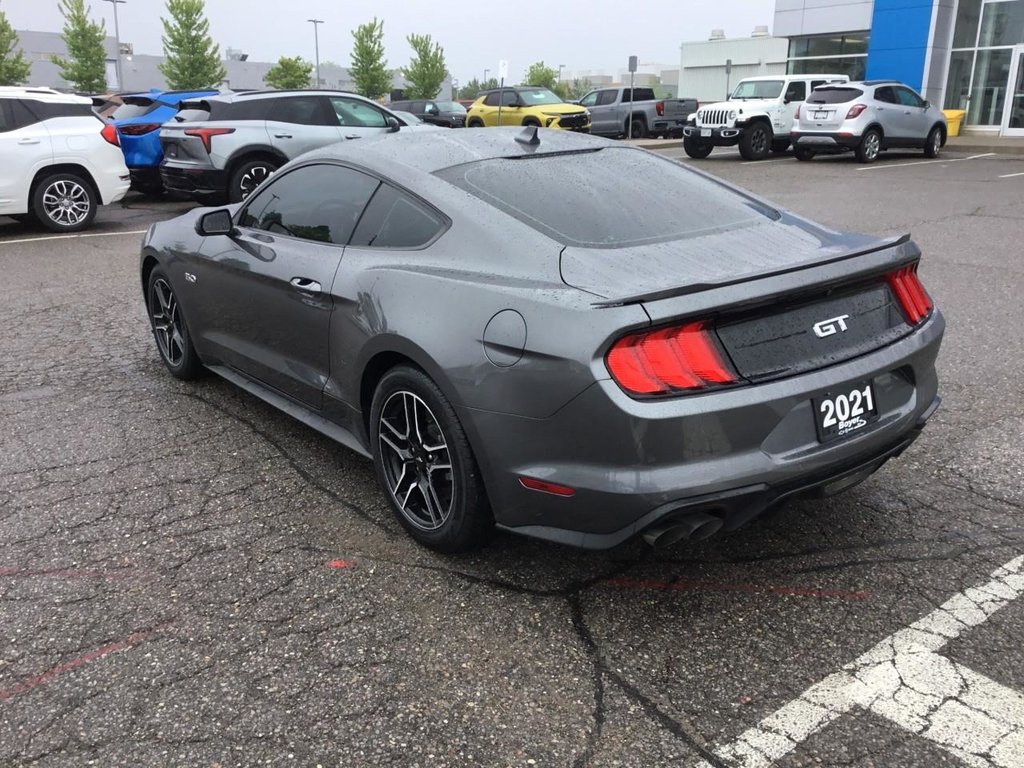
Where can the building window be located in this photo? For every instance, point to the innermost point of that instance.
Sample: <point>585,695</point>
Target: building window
<point>979,64</point>
<point>829,54</point>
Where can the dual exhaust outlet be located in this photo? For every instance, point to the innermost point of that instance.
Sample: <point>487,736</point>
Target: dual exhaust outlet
<point>696,526</point>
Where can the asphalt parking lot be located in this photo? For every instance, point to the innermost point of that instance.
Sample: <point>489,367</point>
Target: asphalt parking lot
<point>190,578</point>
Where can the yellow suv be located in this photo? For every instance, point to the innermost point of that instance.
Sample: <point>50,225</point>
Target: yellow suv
<point>527,105</point>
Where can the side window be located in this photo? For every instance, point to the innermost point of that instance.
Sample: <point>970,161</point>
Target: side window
<point>509,98</point>
<point>395,220</point>
<point>318,202</point>
<point>302,110</point>
<point>908,98</point>
<point>886,94</point>
<point>358,114</point>
<point>590,99</point>
<point>797,91</point>
<point>430,108</point>
<point>606,97</point>
<point>816,83</point>
<point>491,100</point>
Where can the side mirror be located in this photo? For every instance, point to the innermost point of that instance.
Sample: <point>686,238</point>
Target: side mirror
<point>215,223</point>
<point>927,104</point>
<point>393,125</point>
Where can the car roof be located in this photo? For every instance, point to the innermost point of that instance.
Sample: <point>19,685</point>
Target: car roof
<point>431,151</point>
<point>232,96</point>
<point>879,82</point>
<point>42,94</point>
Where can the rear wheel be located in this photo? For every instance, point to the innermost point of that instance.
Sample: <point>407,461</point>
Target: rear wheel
<point>870,146</point>
<point>933,144</point>
<point>638,129</point>
<point>755,142</point>
<point>425,465</point>
<point>248,176</point>
<point>64,202</point>
<point>802,153</point>
<point>696,149</point>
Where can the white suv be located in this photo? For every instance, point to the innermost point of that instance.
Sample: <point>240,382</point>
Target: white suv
<point>58,160</point>
<point>758,116</point>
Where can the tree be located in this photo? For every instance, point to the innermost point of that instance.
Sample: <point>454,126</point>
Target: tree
<point>474,88</point>
<point>369,69</point>
<point>541,76</point>
<point>427,69</point>
<point>14,68</point>
<point>578,88</point>
<point>86,67</point>
<point>289,73</point>
<point>192,60</point>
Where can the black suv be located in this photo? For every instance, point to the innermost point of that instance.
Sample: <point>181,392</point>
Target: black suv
<point>447,114</point>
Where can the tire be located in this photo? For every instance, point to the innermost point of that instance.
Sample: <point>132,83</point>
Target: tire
<point>756,142</point>
<point>531,122</point>
<point>250,175</point>
<point>870,146</point>
<point>435,463</point>
<point>780,147</point>
<point>933,144</point>
<point>696,150</point>
<point>64,202</point>
<point>475,122</point>
<point>638,129</point>
<point>802,153</point>
<point>170,331</point>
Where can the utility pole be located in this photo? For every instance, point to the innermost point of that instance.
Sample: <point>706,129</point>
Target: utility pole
<point>484,83</point>
<point>560,68</point>
<point>316,41</point>
<point>117,40</point>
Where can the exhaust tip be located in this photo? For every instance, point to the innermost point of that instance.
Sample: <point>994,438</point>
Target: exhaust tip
<point>694,527</point>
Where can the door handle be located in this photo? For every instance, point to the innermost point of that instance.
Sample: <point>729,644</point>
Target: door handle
<point>353,136</point>
<point>282,135</point>
<point>305,285</point>
<point>28,141</point>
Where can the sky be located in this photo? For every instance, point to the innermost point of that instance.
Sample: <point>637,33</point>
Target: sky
<point>590,35</point>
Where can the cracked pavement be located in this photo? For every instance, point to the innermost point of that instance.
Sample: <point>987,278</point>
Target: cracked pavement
<point>188,577</point>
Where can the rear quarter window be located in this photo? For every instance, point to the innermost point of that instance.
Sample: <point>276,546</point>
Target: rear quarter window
<point>134,108</point>
<point>834,95</point>
<point>590,199</point>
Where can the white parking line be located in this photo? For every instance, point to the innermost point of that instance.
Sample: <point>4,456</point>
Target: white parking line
<point>1010,175</point>
<point>72,237</point>
<point>769,160</point>
<point>975,157</point>
<point>905,680</point>
<point>907,165</point>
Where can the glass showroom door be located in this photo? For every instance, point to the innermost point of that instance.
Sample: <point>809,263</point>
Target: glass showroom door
<point>1013,112</point>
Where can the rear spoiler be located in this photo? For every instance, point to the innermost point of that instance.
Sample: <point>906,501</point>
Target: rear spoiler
<point>684,290</point>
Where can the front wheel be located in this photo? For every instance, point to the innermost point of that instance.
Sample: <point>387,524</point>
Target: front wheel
<point>475,122</point>
<point>933,144</point>
<point>64,202</point>
<point>425,465</point>
<point>248,176</point>
<point>170,331</point>
<point>755,142</point>
<point>695,149</point>
<point>870,146</point>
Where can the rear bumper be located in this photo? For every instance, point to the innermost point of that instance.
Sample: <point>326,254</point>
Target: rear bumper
<point>824,142</point>
<point>146,178</point>
<point>196,182</point>
<point>736,453</point>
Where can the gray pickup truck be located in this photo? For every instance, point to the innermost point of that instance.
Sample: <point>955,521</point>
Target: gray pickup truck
<point>613,113</point>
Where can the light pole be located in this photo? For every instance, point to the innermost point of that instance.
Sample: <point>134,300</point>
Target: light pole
<point>316,41</point>
<point>117,41</point>
<point>484,83</point>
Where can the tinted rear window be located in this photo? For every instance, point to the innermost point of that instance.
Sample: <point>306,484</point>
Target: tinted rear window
<point>639,94</point>
<point>45,110</point>
<point>134,108</point>
<point>595,199</point>
<point>834,95</point>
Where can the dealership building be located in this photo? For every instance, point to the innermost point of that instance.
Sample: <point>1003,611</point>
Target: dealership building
<point>960,54</point>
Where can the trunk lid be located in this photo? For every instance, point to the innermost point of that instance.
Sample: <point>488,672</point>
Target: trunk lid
<point>827,107</point>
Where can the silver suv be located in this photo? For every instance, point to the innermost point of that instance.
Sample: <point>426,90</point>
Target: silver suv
<point>866,118</point>
<point>222,147</point>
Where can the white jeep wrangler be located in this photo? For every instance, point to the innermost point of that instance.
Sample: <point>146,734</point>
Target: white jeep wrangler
<point>758,116</point>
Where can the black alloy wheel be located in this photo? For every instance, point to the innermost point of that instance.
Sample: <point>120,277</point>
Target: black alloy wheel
<point>169,329</point>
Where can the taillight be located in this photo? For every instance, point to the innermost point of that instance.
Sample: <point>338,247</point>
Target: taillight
<point>660,108</point>
<point>911,293</point>
<point>109,133</point>
<point>137,129</point>
<point>205,134</point>
<point>855,111</point>
<point>677,359</point>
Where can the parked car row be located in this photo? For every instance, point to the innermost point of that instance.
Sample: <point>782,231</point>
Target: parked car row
<point>816,114</point>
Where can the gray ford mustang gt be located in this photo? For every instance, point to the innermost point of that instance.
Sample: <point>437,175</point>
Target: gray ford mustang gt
<point>519,335</point>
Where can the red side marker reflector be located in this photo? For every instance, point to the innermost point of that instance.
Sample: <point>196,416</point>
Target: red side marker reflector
<point>545,487</point>
<point>339,564</point>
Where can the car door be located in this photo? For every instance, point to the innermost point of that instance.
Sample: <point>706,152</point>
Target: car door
<point>511,110</point>
<point>264,293</point>
<point>358,118</point>
<point>298,124</point>
<point>25,146</point>
<point>915,118</point>
<point>889,113</point>
<point>794,95</point>
<point>431,114</point>
<point>604,115</point>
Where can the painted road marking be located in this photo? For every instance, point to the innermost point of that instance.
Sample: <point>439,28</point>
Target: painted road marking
<point>905,680</point>
<point>907,165</point>
<point>72,237</point>
<point>766,160</point>
<point>1010,175</point>
<point>975,157</point>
